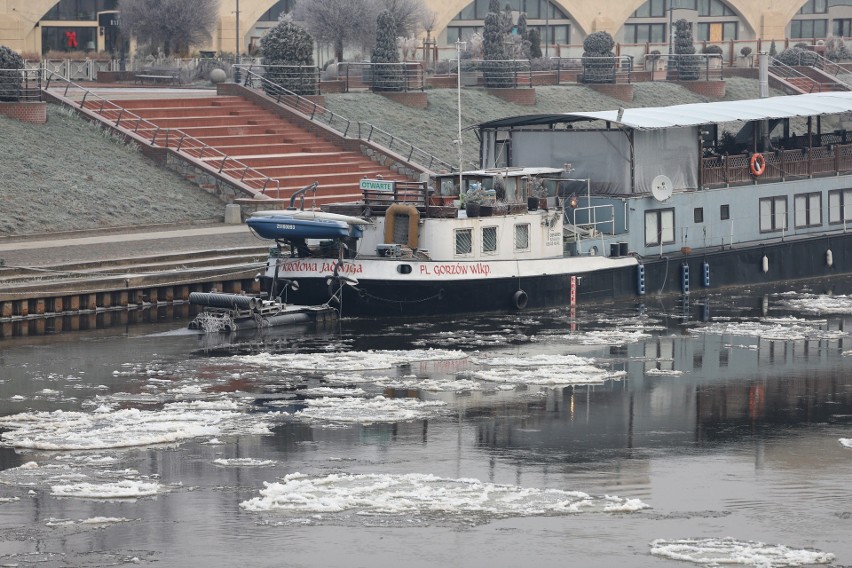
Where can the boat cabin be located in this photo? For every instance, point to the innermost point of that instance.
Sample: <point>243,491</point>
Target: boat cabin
<point>665,179</point>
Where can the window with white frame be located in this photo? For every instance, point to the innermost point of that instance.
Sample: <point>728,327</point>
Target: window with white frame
<point>522,237</point>
<point>464,241</point>
<point>808,209</point>
<point>840,206</point>
<point>773,214</point>
<point>659,227</point>
<point>489,240</point>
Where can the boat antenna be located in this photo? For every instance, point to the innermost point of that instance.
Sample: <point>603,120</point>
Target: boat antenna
<point>459,46</point>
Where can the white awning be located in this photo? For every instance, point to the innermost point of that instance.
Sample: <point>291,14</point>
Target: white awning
<point>695,114</point>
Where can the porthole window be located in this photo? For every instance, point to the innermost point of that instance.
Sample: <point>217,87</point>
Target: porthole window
<point>404,268</point>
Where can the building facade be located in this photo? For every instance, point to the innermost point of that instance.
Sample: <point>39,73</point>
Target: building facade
<point>41,26</point>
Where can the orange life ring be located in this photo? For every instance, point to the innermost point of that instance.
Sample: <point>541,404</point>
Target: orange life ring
<point>413,222</point>
<point>757,164</point>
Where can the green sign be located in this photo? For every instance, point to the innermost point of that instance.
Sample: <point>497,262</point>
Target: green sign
<point>376,185</point>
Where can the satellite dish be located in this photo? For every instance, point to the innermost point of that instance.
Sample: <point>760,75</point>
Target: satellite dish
<point>661,187</point>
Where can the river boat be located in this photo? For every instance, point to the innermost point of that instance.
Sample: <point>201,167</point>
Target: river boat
<point>576,208</point>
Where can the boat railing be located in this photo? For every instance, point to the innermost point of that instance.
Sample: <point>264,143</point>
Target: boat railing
<point>586,225</point>
<point>414,193</point>
<point>830,159</point>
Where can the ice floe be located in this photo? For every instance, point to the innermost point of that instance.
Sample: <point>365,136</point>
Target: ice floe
<point>716,551</point>
<point>243,462</point>
<point>106,428</point>
<point>788,329</point>
<point>819,304</point>
<point>125,489</point>
<point>348,361</point>
<point>543,370</point>
<point>846,442</point>
<point>368,411</point>
<point>423,494</point>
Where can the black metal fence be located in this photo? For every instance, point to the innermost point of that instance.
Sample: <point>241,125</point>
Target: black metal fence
<point>20,85</point>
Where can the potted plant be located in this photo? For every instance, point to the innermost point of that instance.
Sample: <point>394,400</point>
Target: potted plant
<point>745,57</point>
<point>715,53</point>
<point>473,200</point>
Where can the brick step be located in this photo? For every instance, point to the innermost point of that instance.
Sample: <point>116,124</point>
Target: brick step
<point>301,158</point>
<point>172,111</point>
<point>319,198</point>
<point>185,122</point>
<point>331,186</point>
<point>308,176</point>
<point>275,149</point>
<point>199,112</point>
<point>322,168</point>
<point>181,102</point>
<point>244,130</point>
<point>220,141</point>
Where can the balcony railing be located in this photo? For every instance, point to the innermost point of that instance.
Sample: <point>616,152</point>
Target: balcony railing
<point>20,85</point>
<point>781,165</point>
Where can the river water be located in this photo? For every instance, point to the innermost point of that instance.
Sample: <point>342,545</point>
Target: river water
<point>705,431</point>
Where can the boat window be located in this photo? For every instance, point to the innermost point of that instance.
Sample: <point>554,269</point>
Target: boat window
<point>808,209</point>
<point>840,206</point>
<point>522,237</point>
<point>404,268</point>
<point>464,241</point>
<point>698,215</point>
<point>773,214</point>
<point>489,239</point>
<point>659,227</point>
<point>725,212</point>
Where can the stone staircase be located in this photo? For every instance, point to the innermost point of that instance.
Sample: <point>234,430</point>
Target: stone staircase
<point>263,141</point>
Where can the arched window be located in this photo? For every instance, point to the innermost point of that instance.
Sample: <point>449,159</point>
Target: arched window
<point>543,15</point>
<point>713,20</point>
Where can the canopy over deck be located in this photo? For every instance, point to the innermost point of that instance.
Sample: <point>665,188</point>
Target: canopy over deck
<point>695,114</point>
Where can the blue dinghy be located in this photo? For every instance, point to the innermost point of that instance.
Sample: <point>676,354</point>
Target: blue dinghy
<point>290,227</point>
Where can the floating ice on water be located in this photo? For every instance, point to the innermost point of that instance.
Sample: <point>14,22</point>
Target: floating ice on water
<point>543,370</point>
<point>787,329</point>
<point>422,494</point>
<point>106,428</point>
<point>90,521</point>
<point>348,361</point>
<point>125,489</point>
<point>332,392</point>
<point>819,304</point>
<point>664,372</point>
<point>846,442</point>
<point>716,551</point>
<point>378,409</point>
<point>243,462</point>
<point>9,499</point>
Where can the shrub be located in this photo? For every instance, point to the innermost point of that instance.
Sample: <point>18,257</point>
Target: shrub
<point>836,50</point>
<point>598,58</point>
<point>10,76</point>
<point>688,66</point>
<point>387,73</point>
<point>773,51</point>
<point>287,49</point>
<point>534,37</point>
<point>712,50</point>
<point>745,51</point>
<point>495,68</point>
<point>796,56</point>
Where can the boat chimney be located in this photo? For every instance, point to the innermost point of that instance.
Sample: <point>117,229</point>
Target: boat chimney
<point>763,73</point>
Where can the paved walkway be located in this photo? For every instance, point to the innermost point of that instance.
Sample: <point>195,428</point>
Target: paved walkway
<point>44,250</point>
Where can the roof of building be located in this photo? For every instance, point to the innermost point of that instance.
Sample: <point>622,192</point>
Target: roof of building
<point>695,114</point>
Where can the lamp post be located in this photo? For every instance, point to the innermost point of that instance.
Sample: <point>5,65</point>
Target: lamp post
<point>237,52</point>
<point>459,45</point>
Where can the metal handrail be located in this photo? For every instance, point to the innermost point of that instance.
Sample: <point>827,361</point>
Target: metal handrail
<point>28,88</point>
<point>829,67</point>
<point>788,72</point>
<point>186,143</point>
<point>318,113</point>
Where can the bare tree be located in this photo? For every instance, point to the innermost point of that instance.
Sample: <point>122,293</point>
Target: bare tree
<point>408,15</point>
<point>175,26</point>
<point>337,22</point>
